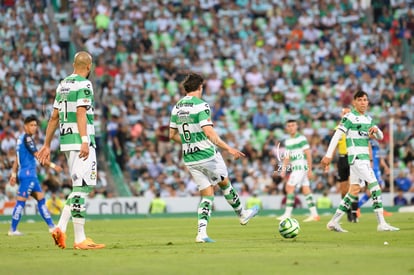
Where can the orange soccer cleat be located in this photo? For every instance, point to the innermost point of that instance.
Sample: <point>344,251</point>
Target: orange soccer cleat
<point>88,244</point>
<point>59,237</point>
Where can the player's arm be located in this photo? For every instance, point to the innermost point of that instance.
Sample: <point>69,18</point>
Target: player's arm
<point>375,132</point>
<point>82,124</point>
<point>44,152</point>
<point>31,148</point>
<point>384,165</point>
<point>309,161</point>
<point>13,175</point>
<point>52,165</point>
<point>285,164</point>
<point>331,148</point>
<point>51,127</point>
<point>175,135</point>
<point>215,139</point>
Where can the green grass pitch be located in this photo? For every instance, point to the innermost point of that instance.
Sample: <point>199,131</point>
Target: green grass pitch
<point>165,245</point>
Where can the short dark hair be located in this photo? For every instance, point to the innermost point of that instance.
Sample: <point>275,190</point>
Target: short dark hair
<point>30,119</point>
<point>291,120</point>
<point>360,93</point>
<point>192,82</point>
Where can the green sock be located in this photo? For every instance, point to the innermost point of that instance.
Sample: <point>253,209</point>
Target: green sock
<point>232,198</point>
<point>290,200</point>
<point>346,202</point>
<point>204,214</point>
<point>375,195</point>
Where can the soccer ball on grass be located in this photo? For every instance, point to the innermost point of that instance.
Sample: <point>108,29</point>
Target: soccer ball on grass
<point>289,228</point>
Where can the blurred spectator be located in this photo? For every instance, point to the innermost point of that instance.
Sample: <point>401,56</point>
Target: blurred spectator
<point>136,164</point>
<point>254,200</point>
<point>324,201</point>
<point>403,183</point>
<point>157,205</point>
<point>55,203</point>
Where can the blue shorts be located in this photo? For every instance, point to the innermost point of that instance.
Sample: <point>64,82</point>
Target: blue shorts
<point>27,186</point>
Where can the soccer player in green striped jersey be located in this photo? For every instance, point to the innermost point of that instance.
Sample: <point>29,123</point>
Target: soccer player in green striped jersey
<point>358,128</point>
<point>73,114</point>
<point>298,161</point>
<point>191,126</point>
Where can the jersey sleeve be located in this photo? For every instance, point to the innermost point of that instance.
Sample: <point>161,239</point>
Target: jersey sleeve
<point>29,144</point>
<point>173,119</point>
<point>304,143</point>
<point>345,124</point>
<point>56,104</point>
<point>85,95</point>
<point>204,116</point>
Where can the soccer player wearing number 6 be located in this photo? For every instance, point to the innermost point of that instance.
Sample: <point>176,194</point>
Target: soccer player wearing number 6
<point>191,126</point>
<point>298,160</point>
<point>359,128</point>
<point>73,113</point>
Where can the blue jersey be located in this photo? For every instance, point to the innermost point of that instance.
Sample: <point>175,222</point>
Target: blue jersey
<point>25,156</point>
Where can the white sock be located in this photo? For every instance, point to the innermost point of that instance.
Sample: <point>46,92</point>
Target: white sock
<point>379,213</point>
<point>202,229</point>
<point>64,218</point>
<point>313,211</point>
<point>337,216</point>
<point>288,211</point>
<point>79,229</point>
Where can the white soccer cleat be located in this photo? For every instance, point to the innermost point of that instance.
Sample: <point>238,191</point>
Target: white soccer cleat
<point>387,227</point>
<point>15,233</point>
<point>248,214</point>
<point>204,240</point>
<point>334,226</point>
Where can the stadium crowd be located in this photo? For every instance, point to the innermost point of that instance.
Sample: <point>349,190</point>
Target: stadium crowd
<point>264,61</point>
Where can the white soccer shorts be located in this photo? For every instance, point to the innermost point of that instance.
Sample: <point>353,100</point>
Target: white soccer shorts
<point>361,173</point>
<point>82,170</point>
<point>209,173</point>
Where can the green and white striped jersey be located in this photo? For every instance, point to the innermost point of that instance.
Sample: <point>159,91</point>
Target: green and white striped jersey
<point>355,126</point>
<point>74,91</point>
<point>189,115</point>
<point>295,148</point>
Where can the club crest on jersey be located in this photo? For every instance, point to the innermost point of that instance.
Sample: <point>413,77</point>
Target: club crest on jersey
<point>93,175</point>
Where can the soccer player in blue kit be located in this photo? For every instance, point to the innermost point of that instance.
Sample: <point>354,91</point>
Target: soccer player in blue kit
<point>24,169</point>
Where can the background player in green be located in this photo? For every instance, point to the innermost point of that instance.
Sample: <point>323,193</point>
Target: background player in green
<point>191,126</point>
<point>73,114</point>
<point>298,160</point>
<point>359,128</point>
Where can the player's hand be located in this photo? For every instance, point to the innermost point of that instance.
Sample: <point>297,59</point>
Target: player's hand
<point>84,151</point>
<point>372,131</point>
<point>43,155</point>
<point>236,153</point>
<point>310,174</point>
<point>325,163</point>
